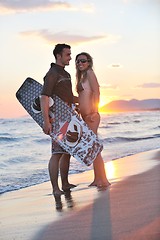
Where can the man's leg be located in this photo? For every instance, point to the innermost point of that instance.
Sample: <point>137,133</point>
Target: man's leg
<point>64,169</point>
<point>53,168</point>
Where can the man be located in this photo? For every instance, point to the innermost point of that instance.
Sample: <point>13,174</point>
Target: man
<point>57,81</point>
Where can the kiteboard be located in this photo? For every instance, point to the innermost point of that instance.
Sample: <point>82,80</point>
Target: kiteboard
<point>69,129</point>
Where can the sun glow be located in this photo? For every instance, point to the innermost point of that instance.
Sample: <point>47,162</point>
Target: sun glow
<point>110,169</point>
<point>105,100</point>
<point>102,102</point>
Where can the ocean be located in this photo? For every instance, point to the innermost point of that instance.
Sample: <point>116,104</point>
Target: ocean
<point>25,149</point>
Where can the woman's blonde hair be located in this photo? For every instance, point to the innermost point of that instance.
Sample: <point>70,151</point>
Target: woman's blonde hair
<point>79,73</point>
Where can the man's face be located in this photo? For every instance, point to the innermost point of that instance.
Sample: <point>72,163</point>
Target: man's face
<point>65,57</point>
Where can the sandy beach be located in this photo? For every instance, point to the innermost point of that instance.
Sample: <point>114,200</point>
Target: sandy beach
<point>129,209</point>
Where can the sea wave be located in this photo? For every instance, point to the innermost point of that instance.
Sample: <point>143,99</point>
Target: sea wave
<point>42,140</point>
<point>9,139</point>
<point>21,181</point>
<point>110,124</point>
<point>128,139</point>
<point>26,150</point>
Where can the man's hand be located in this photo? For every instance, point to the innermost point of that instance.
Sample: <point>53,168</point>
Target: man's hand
<point>47,128</point>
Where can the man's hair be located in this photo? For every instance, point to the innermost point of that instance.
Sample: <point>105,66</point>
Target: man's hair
<point>59,49</point>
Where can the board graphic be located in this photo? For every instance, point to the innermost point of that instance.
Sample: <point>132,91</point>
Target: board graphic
<point>69,130</point>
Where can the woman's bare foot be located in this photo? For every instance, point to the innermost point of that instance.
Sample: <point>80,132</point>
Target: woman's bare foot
<point>68,186</point>
<point>93,184</point>
<point>103,186</point>
<point>100,183</point>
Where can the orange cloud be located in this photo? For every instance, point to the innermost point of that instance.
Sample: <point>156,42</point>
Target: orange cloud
<point>71,38</point>
<point>115,65</point>
<point>108,86</point>
<point>149,85</point>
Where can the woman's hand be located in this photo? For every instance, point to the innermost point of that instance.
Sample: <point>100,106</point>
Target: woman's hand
<point>92,117</point>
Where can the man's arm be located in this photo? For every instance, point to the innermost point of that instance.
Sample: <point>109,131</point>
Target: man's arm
<point>47,127</point>
<point>75,99</point>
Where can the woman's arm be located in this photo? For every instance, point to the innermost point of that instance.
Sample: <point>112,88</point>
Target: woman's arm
<point>95,87</point>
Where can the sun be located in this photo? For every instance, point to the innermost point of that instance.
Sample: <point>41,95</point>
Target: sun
<point>101,104</point>
<point>103,101</point>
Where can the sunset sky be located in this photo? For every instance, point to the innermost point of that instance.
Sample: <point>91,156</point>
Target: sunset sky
<point>122,36</point>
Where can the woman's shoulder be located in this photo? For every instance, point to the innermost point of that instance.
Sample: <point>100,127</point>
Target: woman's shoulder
<point>90,73</point>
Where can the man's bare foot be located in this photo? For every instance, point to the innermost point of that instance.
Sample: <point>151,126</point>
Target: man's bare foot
<point>68,186</point>
<point>57,192</point>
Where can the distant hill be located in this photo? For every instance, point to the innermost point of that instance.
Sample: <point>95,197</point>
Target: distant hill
<point>132,105</point>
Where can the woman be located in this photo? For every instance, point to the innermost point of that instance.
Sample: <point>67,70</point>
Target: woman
<point>88,92</point>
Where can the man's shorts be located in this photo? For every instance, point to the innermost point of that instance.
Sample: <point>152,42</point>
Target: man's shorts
<point>56,148</point>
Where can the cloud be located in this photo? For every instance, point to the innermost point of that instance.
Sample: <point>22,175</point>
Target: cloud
<point>125,1</point>
<point>17,6</point>
<point>149,85</point>
<point>88,7</point>
<point>140,1</point>
<point>115,65</point>
<point>23,6</point>
<point>108,86</point>
<point>66,37</point>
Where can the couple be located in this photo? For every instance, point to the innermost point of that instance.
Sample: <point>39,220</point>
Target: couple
<point>58,81</point>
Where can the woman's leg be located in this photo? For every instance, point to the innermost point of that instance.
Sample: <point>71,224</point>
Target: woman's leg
<point>100,178</point>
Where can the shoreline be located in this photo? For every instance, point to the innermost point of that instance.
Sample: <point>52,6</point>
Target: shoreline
<point>104,155</point>
<point>30,213</point>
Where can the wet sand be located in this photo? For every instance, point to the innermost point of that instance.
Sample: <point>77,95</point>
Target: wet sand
<point>129,209</point>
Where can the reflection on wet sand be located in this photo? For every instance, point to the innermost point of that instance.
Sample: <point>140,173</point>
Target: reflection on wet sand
<point>68,198</point>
